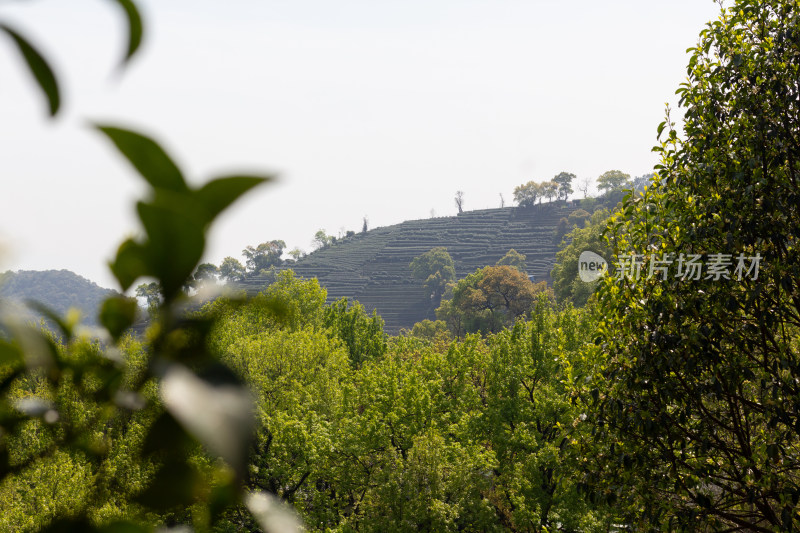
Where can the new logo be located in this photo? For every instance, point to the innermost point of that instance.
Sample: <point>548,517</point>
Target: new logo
<point>591,266</point>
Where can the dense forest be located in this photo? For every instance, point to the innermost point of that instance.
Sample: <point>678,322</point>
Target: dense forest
<point>662,396</point>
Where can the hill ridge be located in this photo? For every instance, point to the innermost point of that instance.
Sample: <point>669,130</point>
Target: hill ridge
<point>373,267</point>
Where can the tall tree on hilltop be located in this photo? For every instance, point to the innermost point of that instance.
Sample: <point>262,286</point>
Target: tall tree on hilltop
<point>564,181</point>
<point>231,270</point>
<point>526,194</point>
<point>613,180</point>
<point>263,256</point>
<point>549,190</point>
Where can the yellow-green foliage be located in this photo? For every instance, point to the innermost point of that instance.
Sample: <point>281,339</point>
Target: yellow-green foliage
<point>439,435</point>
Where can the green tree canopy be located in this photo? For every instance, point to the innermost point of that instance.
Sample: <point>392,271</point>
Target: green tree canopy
<point>613,180</point>
<point>513,259</point>
<point>549,190</point>
<point>231,270</point>
<point>435,268</point>
<point>488,300</point>
<point>263,256</point>
<point>567,286</point>
<point>578,217</point>
<point>564,181</point>
<point>526,195</point>
<point>322,239</point>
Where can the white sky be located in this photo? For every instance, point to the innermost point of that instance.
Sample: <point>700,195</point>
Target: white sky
<point>383,108</point>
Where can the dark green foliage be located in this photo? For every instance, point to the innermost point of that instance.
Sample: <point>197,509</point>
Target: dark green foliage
<point>76,415</point>
<point>122,437</point>
<point>43,72</point>
<point>435,268</point>
<point>263,256</point>
<point>561,229</point>
<point>567,286</point>
<point>564,182</point>
<point>696,414</point>
<point>135,28</point>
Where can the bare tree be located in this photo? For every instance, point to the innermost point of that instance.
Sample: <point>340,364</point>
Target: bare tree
<point>502,201</point>
<point>460,201</point>
<point>584,185</point>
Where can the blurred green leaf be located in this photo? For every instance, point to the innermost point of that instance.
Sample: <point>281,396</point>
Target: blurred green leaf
<point>134,27</point>
<point>124,527</point>
<point>37,408</point>
<point>130,263</point>
<point>222,498</point>
<point>10,355</point>
<point>147,157</point>
<point>220,416</point>
<point>39,68</point>
<point>218,194</point>
<point>5,462</point>
<point>271,514</point>
<point>175,246</point>
<point>166,435</point>
<point>176,484</point>
<point>65,327</point>
<point>118,314</point>
<point>70,525</point>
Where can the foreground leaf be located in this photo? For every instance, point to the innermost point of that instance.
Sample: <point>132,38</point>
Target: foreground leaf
<point>271,514</point>
<point>39,68</point>
<point>218,194</point>
<point>134,27</point>
<point>147,157</point>
<point>219,416</point>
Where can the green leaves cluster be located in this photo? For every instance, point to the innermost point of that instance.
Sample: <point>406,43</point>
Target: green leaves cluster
<point>567,286</point>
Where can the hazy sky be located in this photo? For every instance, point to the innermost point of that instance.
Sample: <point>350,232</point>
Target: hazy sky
<point>370,107</point>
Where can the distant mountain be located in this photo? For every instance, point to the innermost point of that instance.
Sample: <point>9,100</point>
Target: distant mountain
<point>373,267</point>
<point>59,290</point>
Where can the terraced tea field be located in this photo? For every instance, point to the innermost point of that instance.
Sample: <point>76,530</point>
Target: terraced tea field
<point>373,267</point>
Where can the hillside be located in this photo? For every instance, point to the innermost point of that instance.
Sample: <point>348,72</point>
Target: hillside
<point>373,267</point>
<point>57,289</point>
